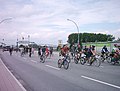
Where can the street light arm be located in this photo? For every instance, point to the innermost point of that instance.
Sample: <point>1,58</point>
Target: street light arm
<point>5,20</point>
<point>74,23</point>
<point>77,28</point>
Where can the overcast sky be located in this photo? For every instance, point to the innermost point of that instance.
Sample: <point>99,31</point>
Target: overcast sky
<point>46,20</point>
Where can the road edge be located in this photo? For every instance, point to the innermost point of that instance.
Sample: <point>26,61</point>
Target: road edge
<point>21,86</point>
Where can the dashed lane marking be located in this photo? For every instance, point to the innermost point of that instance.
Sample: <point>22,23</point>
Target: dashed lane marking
<point>52,67</point>
<point>102,82</point>
<point>33,61</point>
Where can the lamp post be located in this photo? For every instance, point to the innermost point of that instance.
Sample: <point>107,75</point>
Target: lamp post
<point>28,39</point>
<point>76,27</point>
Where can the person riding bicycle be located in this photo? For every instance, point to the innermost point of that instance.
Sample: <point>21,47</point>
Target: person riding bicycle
<point>104,50</point>
<point>73,48</point>
<point>51,51</point>
<point>47,51</point>
<point>43,50</point>
<point>64,50</point>
<point>91,53</point>
<point>39,51</point>
<point>79,50</point>
<point>10,50</point>
<point>115,54</point>
<point>85,51</point>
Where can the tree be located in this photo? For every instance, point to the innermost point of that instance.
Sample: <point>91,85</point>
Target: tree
<point>89,37</point>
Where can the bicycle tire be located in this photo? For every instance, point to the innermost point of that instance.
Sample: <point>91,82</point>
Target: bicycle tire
<point>59,63</point>
<point>76,60</point>
<point>108,59</point>
<point>82,61</point>
<point>66,64</point>
<point>42,59</point>
<point>97,62</point>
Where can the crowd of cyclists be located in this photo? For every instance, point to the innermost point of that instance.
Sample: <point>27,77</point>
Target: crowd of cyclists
<point>90,54</point>
<point>86,54</point>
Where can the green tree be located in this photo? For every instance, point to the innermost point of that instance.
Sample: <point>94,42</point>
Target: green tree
<point>89,37</point>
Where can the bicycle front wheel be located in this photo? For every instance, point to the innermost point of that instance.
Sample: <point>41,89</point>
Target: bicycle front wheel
<point>76,60</point>
<point>82,61</point>
<point>66,64</point>
<point>97,62</point>
<point>108,59</point>
<point>59,63</point>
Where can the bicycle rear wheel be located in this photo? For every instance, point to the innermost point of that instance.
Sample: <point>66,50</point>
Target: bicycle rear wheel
<point>59,63</point>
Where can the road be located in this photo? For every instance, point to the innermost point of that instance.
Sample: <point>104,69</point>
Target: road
<point>36,76</point>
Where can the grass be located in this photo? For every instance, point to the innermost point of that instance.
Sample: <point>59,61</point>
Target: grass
<point>97,44</point>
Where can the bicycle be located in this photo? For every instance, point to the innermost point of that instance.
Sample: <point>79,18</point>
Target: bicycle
<point>22,53</point>
<point>64,61</point>
<point>106,57</point>
<point>79,58</point>
<point>42,58</point>
<point>95,60</point>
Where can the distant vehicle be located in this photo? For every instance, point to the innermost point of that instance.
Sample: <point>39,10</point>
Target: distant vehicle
<point>6,48</point>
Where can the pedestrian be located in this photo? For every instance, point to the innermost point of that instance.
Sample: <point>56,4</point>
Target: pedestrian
<point>39,51</point>
<point>30,51</point>
<point>10,50</point>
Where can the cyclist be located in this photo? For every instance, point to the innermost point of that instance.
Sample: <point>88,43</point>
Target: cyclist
<point>85,51</point>
<point>91,53</point>
<point>73,50</point>
<point>116,54</point>
<point>79,50</point>
<point>30,52</point>
<point>64,50</point>
<point>10,50</point>
<point>51,51</point>
<point>22,51</point>
<point>43,50</point>
<point>39,51</point>
<point>104,50</point>
<point>47,51</point>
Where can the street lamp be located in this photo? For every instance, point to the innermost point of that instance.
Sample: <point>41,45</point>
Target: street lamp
<point>28,39</point>
<point>76,27</point>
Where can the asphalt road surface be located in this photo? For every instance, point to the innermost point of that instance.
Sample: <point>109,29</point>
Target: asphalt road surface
<point>36,76</point>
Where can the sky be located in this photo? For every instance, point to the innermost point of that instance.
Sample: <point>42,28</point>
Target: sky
<point>45,21</point>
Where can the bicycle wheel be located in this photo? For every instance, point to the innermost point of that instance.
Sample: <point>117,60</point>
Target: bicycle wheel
<point>42,59</point>
<point>108,59</point>
<point>97,62</point>
<point>22,54</point>
<point>102,59</point>
<point>59,63</point>
<point>82,61</point>
<point>76,60</point>
<point>66,64</point>
<point>69,59</point>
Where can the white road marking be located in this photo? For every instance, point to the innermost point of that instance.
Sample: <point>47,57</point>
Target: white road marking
<point>14,77</point>
<point>52,67</point>
<point>25,58</point>
<point>33,61</point>
<point>102,82</point>
<point>102,66</point>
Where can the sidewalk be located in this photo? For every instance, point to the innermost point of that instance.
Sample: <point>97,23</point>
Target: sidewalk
<point>7,81</point>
